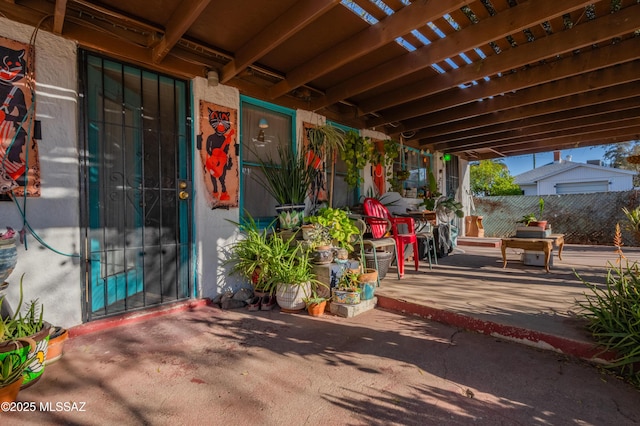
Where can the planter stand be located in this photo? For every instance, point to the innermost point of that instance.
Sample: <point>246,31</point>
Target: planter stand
<point>350,311</point>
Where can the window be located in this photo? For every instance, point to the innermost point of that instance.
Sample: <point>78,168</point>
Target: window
<point>452,170</point>
<point>263,128</point>
<point>418,164</point>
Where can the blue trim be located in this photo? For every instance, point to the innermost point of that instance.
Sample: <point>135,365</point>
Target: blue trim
<point>262,223</point>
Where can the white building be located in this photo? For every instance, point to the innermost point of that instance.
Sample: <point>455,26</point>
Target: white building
<point>567,177</point>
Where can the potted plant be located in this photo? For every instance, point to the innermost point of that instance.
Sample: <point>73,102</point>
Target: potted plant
<point>318,239</point>
<point>287,180</point>
<point>531,219</point>
<point>57,338</point>
<point>293,276</point>
<point>250,255</point>
<point>348,289</point>
<point>18,327</point>
<point>329,140</point>
<point>315,304</point>
<point>12,368</point>
<point>356,155</point>
<point>342,230</point>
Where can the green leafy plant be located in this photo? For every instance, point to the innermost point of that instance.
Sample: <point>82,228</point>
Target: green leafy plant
<point>349,280</point>
<point>256,254</point>
<point>292,266</point>
<point>288,178</point>
<point>527,219</point>
<point>356,155</point>
<point>530,217</point>
<point>633,219</point>
<point>19,325</point>
<point>319,236</point>
<point>314,299</point>
<point>614,313</point>
<point>341,228</point>
<point>330,140</point>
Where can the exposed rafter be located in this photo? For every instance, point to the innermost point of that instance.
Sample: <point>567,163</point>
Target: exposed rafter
<point>376,36</point>
<point>300,15</point>
<point>601,30</point>
<point>183,16</point>
<point>58,16</point>
<point>512,20</point>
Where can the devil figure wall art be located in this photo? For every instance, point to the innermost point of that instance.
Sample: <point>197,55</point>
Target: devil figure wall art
<point>218,152</point>
<point>19,169</point>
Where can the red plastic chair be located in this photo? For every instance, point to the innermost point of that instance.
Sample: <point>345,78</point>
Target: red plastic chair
<point>373,207</point>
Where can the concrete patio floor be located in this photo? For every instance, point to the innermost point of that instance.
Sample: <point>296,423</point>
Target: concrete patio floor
<point>207,366</point>
<point>471,289</point>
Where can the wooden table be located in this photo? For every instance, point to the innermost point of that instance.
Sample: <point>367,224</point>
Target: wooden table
<point>539,244</point>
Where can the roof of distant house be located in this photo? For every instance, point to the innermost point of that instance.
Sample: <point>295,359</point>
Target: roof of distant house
<point>555,168</point>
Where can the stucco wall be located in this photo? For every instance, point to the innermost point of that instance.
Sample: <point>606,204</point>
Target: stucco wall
<point>214,232</point>
<point>52,278</point>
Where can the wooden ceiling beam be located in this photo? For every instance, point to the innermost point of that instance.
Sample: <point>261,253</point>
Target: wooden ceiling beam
<point>508,22</point>
<point>565,142</point>
<point>542,94</point>
<point>59,11</point>
<point>624,96</point>
<point>609,109</point>
<point>623,121</point>
<point>366,41</point>
<point>590,33</point>
<point>182,18</point>
<point>298,16</point>
<point>114,46</point>
<point>574,74</point>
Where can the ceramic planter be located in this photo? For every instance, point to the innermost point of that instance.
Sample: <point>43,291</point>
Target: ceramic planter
<point>8,258</point>
<point>290,216</point>
<point>346,297</point>
<point>290,296</point>
<point>322,256</point>
<point>34,370</point>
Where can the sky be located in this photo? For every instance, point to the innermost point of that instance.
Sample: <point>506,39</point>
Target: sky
<point>524,163</point>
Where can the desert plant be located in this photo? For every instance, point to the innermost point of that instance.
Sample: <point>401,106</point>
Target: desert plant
<point>633,219</point>
<point>287,178</point>
<point>613,312</point>
<point>19,325</point>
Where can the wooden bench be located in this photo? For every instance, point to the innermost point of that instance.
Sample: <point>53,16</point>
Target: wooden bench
<point>538,244</point>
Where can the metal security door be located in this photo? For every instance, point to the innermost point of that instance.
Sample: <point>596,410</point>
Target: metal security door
<point>137,188</point>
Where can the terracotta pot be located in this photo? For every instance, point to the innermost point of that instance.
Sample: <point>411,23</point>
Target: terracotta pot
<point>316,309</point>
<point>10,392</point>
<point>56,344</point>
<point>541,223</point>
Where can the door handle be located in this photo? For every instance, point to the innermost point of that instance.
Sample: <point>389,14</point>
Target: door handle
<point>183,195</point>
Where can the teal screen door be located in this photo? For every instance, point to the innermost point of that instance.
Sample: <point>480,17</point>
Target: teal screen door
<point>137,188</point>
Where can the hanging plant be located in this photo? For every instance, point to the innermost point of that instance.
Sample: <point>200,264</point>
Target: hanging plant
<point>385,156</point>
<point>356,154</point>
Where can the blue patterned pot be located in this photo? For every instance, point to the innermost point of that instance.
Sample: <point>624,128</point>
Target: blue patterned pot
<point>8,259</point>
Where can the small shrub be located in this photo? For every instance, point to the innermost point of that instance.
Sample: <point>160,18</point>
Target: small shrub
<point>614,313</point>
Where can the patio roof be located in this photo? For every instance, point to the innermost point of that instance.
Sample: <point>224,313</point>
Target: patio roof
<point>481,79</point>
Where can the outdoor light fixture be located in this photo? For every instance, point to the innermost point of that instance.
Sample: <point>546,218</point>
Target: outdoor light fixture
<point>262,124</point>
<point>446,157</point>
<point>212,78</point>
